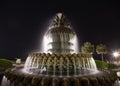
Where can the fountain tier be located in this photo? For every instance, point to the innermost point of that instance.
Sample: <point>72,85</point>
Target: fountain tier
<point>60,64</point>
<point>60,37</point>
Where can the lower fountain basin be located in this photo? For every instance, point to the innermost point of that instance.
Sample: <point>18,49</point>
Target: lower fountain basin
<point>100,78</point>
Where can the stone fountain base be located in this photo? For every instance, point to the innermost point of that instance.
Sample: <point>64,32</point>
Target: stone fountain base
<point>102,78</point>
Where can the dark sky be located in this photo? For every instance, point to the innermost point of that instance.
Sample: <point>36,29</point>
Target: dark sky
<point>22,24</point>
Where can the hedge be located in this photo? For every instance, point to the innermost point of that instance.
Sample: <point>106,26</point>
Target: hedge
<point>101,64</point>
<point>5,63</point>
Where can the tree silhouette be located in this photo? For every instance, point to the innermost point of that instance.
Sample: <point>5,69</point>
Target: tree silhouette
<point>87,48</point>
<point>101,49</point>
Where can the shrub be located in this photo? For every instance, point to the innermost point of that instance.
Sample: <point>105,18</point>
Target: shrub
<point>101,64</point>
<point>112,66</point>
<point>5,63</point>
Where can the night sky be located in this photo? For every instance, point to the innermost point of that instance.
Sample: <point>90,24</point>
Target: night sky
<point>22,24</point>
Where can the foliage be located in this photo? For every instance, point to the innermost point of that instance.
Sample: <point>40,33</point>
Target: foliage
<point>101,49</point>
<point>112,66</point>
<point>101,64</point>
<point>87,48</point>
<point>5,63</point>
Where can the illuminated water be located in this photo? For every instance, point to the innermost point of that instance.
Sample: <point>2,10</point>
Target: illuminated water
<point>61,52</point>
<point>58,64</point>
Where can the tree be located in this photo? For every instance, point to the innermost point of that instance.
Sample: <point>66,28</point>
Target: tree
<point>101,49</point>
<point>87,48</point>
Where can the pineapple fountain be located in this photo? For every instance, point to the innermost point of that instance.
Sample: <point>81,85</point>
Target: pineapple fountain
<point>61,64</point>
<point>61,55</point>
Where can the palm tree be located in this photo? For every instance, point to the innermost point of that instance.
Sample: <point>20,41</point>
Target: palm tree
<point>87,48</point>
<point>101,49</point>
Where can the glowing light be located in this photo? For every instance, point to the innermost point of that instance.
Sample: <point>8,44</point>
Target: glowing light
<point>115,54</point>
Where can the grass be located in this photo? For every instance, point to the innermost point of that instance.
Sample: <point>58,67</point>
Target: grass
<point>5,63</point>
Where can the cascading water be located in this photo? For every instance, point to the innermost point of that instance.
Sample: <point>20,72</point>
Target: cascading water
<point>61,55</point>
<point>60,38</point>
<point>59,64</point>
